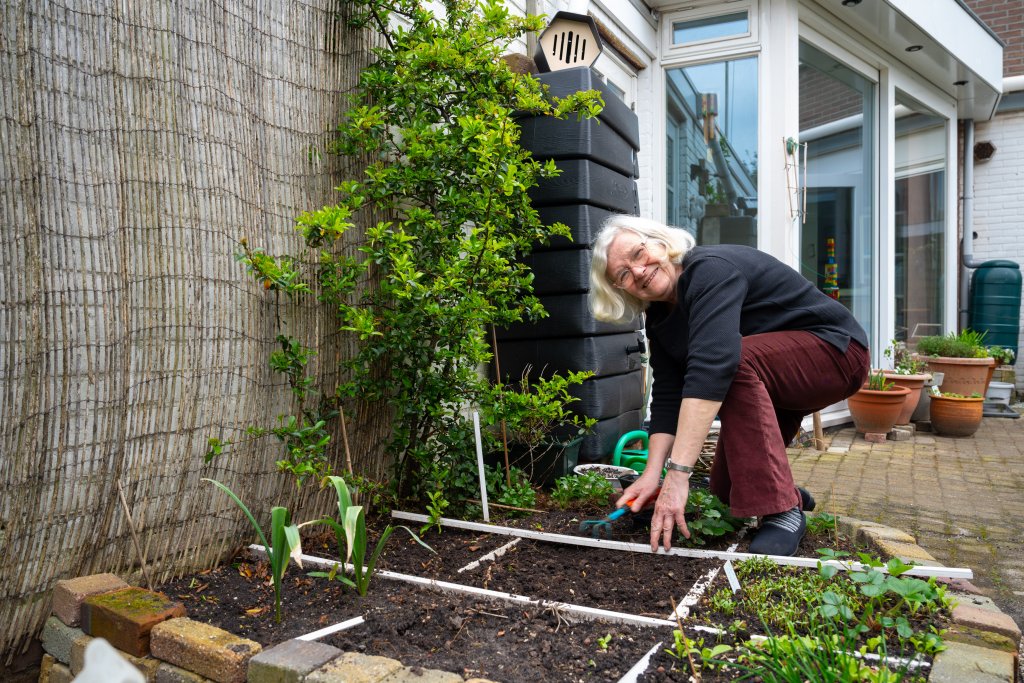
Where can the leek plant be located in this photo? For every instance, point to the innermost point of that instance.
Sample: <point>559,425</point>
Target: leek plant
<point>284,536</point>
<point>350,531</point>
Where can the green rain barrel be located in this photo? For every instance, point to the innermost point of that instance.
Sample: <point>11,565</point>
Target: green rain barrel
<point>995,302</point>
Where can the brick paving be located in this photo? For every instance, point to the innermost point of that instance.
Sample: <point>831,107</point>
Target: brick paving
<point>962,498</point>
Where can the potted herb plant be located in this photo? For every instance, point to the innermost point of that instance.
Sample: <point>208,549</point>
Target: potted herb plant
<point>877,405</point>
<point>954,414</point>
<point>907,371</point>
<point>543,437</point>
<point>962,358</point>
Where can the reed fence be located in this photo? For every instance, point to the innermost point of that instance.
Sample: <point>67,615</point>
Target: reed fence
<point>139,141</point>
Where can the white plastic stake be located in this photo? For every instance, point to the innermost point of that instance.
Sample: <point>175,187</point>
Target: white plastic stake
<point>480,465</point>
<point>730,574</point>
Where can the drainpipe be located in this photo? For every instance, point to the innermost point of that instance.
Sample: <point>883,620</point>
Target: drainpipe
<point>967,245</point>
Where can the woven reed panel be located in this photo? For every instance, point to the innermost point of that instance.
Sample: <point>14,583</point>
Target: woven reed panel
<point>139,141</point>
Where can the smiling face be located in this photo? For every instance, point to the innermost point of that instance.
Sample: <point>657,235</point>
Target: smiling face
<point>640,266</point>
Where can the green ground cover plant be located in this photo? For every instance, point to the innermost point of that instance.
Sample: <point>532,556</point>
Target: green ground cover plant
<point>588,488</point>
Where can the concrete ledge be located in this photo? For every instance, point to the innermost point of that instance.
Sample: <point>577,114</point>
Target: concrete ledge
<point>203,649</point>
<point>69,594</point>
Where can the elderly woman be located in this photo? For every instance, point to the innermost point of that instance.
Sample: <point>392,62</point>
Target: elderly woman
<point>734,333</point>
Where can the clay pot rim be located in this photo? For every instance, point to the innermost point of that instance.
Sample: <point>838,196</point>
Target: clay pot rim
<point>893,390</point>
<point>924,376</point>
<point>957,398</point>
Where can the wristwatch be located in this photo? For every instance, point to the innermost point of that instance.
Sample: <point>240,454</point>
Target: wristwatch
<point>670,465</point>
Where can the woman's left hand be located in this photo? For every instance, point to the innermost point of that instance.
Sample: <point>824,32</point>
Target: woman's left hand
<point>670,510</point>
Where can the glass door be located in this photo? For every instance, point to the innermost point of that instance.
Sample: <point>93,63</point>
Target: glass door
<point>837,121</point>
<point>920,204</point>
<point>711,150</point>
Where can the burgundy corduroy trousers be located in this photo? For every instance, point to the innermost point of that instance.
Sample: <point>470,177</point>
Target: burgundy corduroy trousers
<point>781,378</point>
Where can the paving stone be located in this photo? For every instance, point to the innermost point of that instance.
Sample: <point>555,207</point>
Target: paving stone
<point>126,617</point>
<point>58,639</point>
<point>352,667</point>
<point>203,649</point>
<point>69,594</point>
<point>987,620</point>
<point>415,674</point>
<point>168,673</point>
<point>899,435</point>
<point>290,661</point>
<point>961,663</point>
<point>905,551</point>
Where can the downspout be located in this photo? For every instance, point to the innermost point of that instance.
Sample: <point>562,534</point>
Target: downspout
<point>967,244</point>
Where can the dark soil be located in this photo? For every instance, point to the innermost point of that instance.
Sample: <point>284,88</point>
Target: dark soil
<point>467,634</point>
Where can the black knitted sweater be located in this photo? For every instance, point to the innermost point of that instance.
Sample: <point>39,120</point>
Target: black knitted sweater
<point>727,292</point>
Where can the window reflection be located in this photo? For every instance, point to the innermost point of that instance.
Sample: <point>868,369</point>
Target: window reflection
<point>920,219</point>
<point>711,151</point>
<point>709,28</point>
<point>836,106</point>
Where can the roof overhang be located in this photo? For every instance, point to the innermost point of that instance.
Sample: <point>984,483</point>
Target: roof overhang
<point>958,52</point>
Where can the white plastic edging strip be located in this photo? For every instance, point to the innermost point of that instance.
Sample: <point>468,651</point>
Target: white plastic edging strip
<point>317,635</point>
<point>698,589</point>
<point>493,555</point>
<point>640,667</point>
<point>808,562</point>
<point>564,607</point>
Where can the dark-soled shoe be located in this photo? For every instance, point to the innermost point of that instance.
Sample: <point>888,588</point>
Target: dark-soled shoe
<point>806,499</point>
<point>780,533</point>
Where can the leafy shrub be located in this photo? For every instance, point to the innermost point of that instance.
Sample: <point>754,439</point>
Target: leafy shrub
<point>966,344</point>
<point>708,517</point>
<point>588,488</point>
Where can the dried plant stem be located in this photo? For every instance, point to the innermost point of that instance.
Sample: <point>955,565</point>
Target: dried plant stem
<point>689,654</point>
<point>135,535</point>
<point>503,507</point>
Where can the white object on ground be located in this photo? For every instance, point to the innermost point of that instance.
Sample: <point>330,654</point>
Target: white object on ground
<point>104,664</point>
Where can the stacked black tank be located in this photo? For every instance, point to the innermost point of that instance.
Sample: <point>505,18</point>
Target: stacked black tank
<point>597,158</point>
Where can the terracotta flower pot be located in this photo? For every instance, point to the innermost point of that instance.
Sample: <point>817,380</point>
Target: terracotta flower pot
<point>913,382</point>
<point>954,416</point>
<point>962,375</point>
<point>875,412</point>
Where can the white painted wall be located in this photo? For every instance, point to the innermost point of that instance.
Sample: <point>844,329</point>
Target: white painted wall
<point>999,198</point>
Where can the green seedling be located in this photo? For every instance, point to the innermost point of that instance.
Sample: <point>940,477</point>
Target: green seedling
<point>350,533</point>
<point>604,642</point>
<point>285,537</point>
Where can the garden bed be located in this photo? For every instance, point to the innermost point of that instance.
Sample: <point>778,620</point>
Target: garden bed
<point>479,636</point>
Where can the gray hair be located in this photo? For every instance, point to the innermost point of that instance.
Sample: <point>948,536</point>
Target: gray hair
<point>609,303</point>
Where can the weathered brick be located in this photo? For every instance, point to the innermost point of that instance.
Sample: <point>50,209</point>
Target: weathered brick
<point>69,594</point>
<point>416,674</point>
<point>52,671</point>
<point>126,617</point>
<point>290,661</point>
<point>875,437</point>
<point>203,649</point>
<point>58,639</point>
<point>168,673</point>
<point>905,551</point>
<point>352,667</point>
<point>979,638</point>
<point>961,663</point>
<point>986,620</point>
<point>146,665</point>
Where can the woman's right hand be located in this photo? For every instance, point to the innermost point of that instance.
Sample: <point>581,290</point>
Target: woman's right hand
<point>641,492</point>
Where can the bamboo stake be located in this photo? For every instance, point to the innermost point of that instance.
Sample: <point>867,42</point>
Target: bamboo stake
<point>504,507</point>
<point>344,439</point>
<point>819,433</point>
<point>504,434</point>
<point>135,536</point>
